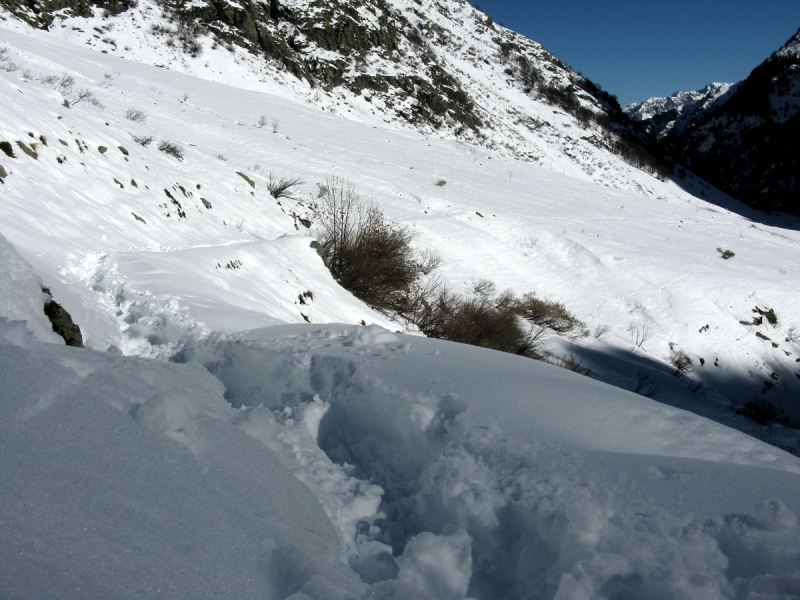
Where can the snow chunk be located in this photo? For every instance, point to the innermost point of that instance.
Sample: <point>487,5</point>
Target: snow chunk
<point>370,335</point>
<point>441,565</point>
<point>21,295</point>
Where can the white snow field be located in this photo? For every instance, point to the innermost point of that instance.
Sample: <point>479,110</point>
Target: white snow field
<point>212,443</point>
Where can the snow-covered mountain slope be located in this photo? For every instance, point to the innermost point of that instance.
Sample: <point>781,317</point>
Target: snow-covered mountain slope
<point>671,115</point>
<point>147,251</point>
<point>436,67</point>
<point>362,463</point>
<point>745,142</point>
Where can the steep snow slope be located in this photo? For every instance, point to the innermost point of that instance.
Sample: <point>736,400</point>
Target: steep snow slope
<point>362,463</point>
<point>432,66</point>
<point>193,247</point>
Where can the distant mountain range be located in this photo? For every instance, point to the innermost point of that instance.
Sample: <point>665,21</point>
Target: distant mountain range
<point>742,138</point>
<point>671,115</point>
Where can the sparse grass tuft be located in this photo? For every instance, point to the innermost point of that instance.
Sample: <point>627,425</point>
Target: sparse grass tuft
<point>143,140</point>
<point>135,115</point>
<point>282,188</point>
<point>171,148</point>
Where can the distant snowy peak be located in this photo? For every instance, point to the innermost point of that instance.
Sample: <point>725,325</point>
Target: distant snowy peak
<point>791,48</point>
<point>675,112</point>
<point>680,101</point>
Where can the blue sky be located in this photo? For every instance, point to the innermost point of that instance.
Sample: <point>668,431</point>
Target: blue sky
<point>639,49</point>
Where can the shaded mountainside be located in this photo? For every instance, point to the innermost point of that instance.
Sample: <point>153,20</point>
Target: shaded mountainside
<point>746,141</point>
<point>437,66</point>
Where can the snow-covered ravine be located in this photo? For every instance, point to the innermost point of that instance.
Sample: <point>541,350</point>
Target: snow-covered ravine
<point>211,442</point>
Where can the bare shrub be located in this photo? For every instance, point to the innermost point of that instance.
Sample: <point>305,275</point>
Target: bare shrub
<point>793,336</point>
<point>143,140</point>
<point>481,321</point>
<point>726,254</point>
<point>275,125</point>
<point>282,188</point>
<point>86,96</point>
<point>262,121</point>
<point>483,287</point>
<point>441,182</point>
<point>639,335</point>
<point>572,363</point>
<point>5,63</point>
<point>135,115</point>
<point>367,255</point>
<point>171,148</point>
<point>680,360</point>
<point>64,85</point>
<point>600,330</point>
<point>549,314</point>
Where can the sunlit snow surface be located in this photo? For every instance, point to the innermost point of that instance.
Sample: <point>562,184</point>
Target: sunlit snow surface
<point>345,462</point>
<point>340,461</point>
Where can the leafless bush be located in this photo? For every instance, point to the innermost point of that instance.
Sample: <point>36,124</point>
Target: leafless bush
<point>639,335</point>
<point>367,255</point>
<point>549,314</point>
<point>759,411</point>
<point>5,63</point>
<point>441,182</point>
<point>793,336</point>
<point>171,148</point>
<point>282,188</point>
<point>600,330</point>
<point>680,360</point>
<point>135,115</point>
<point>85,95</point>
<point>483,287</point>
<point>275,125</point>
<point>143,140</point>
<point>262,121</point>
<point>481,321</point>
<point>570,362</point>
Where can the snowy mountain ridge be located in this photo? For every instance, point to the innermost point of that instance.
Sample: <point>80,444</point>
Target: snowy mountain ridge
<point>674,113</point>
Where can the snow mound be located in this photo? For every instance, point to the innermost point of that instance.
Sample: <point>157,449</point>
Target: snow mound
<point>425,490</point>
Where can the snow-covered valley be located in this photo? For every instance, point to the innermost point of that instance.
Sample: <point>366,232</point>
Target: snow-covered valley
<point>190,451</point>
